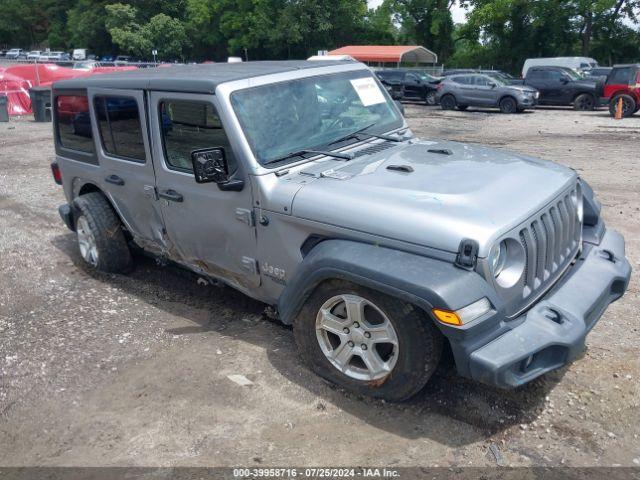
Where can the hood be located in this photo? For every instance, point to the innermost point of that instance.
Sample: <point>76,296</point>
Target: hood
<point>521,88</point>
<point>468,192</point>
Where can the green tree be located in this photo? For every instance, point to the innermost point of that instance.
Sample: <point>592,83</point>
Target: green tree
<point>427,23</point>
<point>167,35</point>
<point>126,32</point>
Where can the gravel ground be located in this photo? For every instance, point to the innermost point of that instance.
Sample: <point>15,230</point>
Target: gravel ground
<point>132,370</point>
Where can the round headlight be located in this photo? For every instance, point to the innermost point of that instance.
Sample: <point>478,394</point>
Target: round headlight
<point>498,258</point>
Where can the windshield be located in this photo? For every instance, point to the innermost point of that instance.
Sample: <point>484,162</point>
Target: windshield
<point>498,79</point>
<point>573,74</point>
<point>312,113</point>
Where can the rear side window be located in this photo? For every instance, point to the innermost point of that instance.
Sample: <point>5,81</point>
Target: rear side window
<point>620,76</point>
<point>462,80</point>
<point>74,123</point>
<point>390,75</point>
<point>120,128</point>
<point>189,125</point>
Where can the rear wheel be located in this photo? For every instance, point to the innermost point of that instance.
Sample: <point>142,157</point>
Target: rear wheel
<point>629,106</point>
<point>448,102</point>
<point>367,342</point>
<point>430,98</point>
<point>508,105</point>
<point>584,102</point>
<point>99,232</point>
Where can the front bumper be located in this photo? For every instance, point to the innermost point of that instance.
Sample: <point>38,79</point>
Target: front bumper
<point>527,101</point>
<point>552,333</point>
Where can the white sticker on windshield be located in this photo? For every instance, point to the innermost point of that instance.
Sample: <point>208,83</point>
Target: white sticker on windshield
<point>368,91</point>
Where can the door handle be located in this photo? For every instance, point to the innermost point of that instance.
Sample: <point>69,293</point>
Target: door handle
<point>115,180</point>
<point>171,195</point>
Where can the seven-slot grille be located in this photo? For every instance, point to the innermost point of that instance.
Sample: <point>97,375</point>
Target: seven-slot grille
<point>551,240</point>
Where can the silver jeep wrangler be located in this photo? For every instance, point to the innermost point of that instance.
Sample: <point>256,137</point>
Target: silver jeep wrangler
<point>300,184</point>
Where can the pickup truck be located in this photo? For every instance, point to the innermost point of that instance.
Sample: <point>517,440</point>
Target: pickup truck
<point>563,86</point>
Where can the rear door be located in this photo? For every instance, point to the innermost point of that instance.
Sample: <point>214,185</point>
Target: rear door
<point>548,85</point>
<point>126,174</point>
<point>466,90</point>
<point>209,230</point>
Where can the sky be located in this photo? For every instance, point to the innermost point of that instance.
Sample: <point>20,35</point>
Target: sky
<point>457,12</point>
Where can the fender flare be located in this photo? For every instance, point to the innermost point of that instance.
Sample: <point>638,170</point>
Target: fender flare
<point>422,281</point>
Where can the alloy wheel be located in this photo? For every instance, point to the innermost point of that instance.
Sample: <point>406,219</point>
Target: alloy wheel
<point>357,337</point>
<point>87,242</point>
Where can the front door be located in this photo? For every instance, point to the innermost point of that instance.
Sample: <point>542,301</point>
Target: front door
<point>485,91</point>
<point>413,87</point>
<point>123,151</point>
<point>209,230</point>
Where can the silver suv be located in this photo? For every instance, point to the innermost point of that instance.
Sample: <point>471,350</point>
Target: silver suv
<point>478,90</point>
<point>301,185</point>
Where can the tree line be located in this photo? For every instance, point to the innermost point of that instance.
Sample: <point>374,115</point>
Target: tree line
<point>497,33</point>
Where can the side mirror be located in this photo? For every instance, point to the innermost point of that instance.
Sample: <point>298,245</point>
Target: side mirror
<point>492,85</point>
<point>210,165</point>
<point>400,106</point>
<point>564,80</point>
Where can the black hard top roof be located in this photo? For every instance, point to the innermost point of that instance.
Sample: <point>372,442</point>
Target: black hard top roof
<point>202,78</point>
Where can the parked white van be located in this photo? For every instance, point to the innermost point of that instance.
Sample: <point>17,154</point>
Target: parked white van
<point>576,63</point>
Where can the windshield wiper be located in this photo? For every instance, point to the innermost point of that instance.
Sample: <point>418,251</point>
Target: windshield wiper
<point>299,153</point>
<point>362,131</point>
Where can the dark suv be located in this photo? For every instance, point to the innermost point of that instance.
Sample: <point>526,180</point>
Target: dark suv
<point>562,86</point>
<point>622,84</point>
<point>410,84</point>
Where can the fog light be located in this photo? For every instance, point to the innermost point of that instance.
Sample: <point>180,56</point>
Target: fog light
<point>464,315</point>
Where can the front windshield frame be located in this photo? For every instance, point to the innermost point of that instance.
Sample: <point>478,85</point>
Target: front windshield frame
<point>497,79</point>
<point>328,144</point>
<point>572,74</point>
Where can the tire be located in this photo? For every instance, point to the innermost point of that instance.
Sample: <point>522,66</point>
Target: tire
<point>448,102</point>
<point>463,107</point>
<point>101,240</point>
<point>508,105</point>
<point>629,106</point>
<point>430,98</point>
<point>405,367</point>
<point>584,102</point>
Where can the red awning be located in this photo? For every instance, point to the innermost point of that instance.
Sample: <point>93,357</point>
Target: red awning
<point>388,53</point>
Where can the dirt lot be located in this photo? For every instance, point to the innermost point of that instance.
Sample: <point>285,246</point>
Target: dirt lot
<point>132,370</point>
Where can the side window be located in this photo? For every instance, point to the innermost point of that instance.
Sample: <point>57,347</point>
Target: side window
<point>461,80</point>
<point>620,76</point>
<point>555,75</point>
<point>411,77</point>
<point>74,123</point>
<point>481,81</point>
<point>120,128</point>
<point>189,125</point>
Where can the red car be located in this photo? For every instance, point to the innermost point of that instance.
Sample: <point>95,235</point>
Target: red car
<point>623,83</point>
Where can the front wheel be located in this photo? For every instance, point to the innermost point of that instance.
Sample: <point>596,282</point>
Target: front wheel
<point>508,105</point>
<point>367,342</point>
